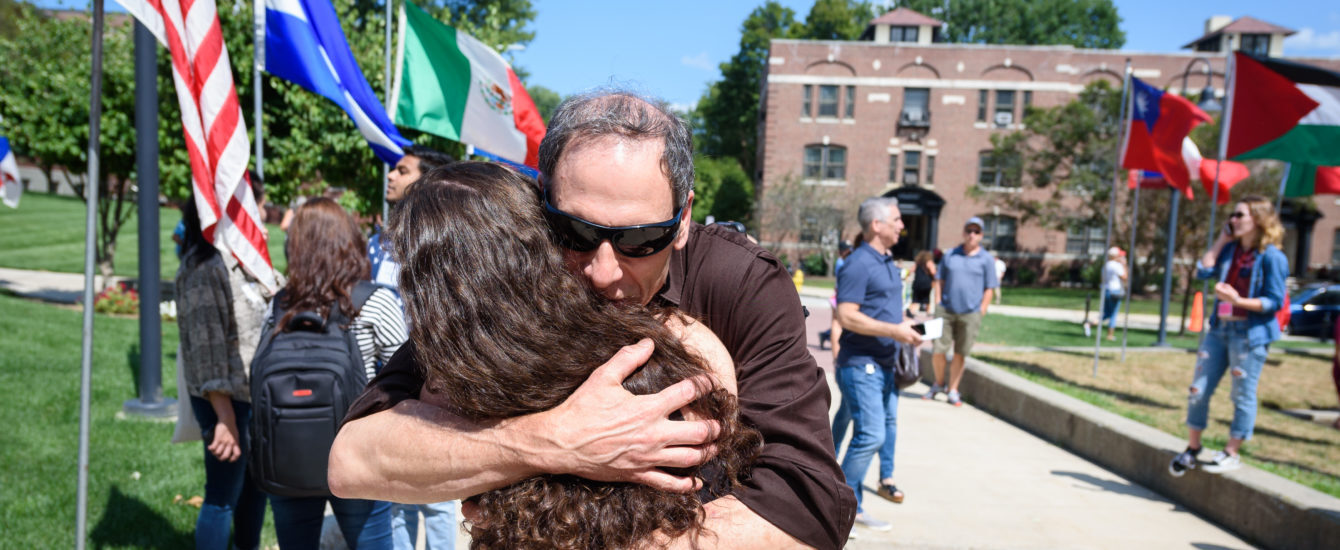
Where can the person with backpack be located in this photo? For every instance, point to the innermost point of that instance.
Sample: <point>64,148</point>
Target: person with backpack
<point>1251,270</point>
<point>216,381</point>
<point>326,333</point>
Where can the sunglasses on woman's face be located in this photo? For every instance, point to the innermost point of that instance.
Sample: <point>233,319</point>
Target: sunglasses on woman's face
<point>633,241</point>
<point>1236,215</point>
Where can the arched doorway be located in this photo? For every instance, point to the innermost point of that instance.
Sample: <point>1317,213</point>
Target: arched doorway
<point>920,208</point>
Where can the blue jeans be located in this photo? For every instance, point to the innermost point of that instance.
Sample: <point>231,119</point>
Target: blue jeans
<point>1226,349</point>
<point>842,420</point>
<point>871,395</point>
<point>439,520</point>
<point>366,524</point>
<point>231,499</point>
<point>1110,306</point>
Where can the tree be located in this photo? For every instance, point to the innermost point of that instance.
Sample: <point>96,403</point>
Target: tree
<point>837,20</point>
<point>44,91</point>
<point>546,100</point>
<point>723,190</point>
<point>1079,23</point>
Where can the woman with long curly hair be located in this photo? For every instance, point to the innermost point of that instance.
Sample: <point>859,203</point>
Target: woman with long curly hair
<point>504,329</point>
<point>1251,270</point>
<point>327,258</point>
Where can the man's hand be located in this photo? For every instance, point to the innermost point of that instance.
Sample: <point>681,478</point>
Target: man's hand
<point>604,432</point>
<point>903,332</point>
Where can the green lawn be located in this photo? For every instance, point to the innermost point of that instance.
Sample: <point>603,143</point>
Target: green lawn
<point>1073,298</point>
<point>1022,331</point>
<point>40,364</point>
<point>47,233</point>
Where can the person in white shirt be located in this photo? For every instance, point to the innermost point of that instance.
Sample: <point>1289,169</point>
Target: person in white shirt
<point>1114,289</point>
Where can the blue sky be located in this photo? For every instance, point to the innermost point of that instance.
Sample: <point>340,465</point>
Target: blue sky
<point>672,49</point>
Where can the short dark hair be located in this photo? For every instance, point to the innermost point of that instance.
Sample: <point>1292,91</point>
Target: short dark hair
<point>627,115</point>
<point>429,158</point>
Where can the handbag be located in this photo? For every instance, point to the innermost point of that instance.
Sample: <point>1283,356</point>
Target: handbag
<point>906,366</point>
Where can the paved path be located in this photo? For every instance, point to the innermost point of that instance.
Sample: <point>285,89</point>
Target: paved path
<point>65,288</point>
<point>973,481</point>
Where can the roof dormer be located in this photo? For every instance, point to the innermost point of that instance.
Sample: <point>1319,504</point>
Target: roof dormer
<point>903,25</point>
<point>1247,34</point>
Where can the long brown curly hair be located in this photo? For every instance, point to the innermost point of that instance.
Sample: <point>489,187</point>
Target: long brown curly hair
<point>327,256</point>
<point>502,329</point>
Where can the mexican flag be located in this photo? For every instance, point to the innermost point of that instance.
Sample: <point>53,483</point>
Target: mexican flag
<point>1291,112</point>
<point>449,84</point>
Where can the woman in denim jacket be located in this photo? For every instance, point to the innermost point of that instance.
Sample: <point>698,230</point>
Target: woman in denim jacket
<point>1251,270</point>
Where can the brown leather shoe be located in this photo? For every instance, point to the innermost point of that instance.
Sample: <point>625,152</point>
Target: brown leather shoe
<point>890,492</point>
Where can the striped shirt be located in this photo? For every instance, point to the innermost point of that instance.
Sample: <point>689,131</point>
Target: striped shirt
<point>379,328</point>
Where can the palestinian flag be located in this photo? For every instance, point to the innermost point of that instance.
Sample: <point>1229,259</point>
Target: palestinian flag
<point>1291,112</point>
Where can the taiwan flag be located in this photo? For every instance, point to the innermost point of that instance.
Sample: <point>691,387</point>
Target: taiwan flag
<point>1159,125</point>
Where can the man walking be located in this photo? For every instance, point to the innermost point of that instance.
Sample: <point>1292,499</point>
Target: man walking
<point>967,278</point>
<point>870,309</point>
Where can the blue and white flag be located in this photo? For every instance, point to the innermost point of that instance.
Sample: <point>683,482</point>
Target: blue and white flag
<point>304,44</point>
<point>10,185</point>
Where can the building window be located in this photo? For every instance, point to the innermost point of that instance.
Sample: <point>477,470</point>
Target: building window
<point>1335,249</point>
<point>893,170</point>
<point>902,33</point>
<point>912,168</point>
<point>809,99</point>
<point>916,107</point>
<point>1211,45</point>
<point>981,106</point>
<point>993,171</point>
<point>1082,241</point>
<point>828,101</point>
<point>1028,101</point>
<point>825,162</point>
<point>998,234</point>
<point>930,169</point>
<point>1004,113</point>
<point>1255,44</point>
<point>849,108</point>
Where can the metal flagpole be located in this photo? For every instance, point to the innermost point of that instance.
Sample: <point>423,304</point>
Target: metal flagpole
<point>1224,129</point>
<point>90,230</point>
<point>258,61</point>
<point>386,75</point>
<point>1279,199</point>
<point>1130,253</point>
<point>1111,213</point>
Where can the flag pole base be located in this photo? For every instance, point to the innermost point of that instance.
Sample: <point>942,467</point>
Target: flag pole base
<point>162,408</point>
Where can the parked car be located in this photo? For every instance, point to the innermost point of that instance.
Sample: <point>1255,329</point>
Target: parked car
<point>1313,311</point>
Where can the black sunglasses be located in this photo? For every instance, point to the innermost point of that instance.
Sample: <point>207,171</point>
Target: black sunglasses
<point>1236,215</point>
<point>633,241</point>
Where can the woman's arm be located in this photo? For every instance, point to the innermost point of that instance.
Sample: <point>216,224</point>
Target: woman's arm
<point>224,445</point>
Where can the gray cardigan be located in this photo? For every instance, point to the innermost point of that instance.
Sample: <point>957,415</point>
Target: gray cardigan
<point>208,327</point>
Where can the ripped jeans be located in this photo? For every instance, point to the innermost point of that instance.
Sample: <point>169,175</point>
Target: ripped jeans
<point>1226,349</point>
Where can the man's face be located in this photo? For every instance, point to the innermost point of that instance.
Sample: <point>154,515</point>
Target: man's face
<point>972,235</point>
<point>890,229</point>
<point>402,175</point>
<point>616,182</point>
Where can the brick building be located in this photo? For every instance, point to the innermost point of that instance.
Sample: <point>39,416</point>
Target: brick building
<point>899,114</point>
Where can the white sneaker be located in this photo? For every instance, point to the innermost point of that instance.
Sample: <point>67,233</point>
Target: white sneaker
<point>1086,330</point>
<point>872,523</point>
<point>1223,462</point>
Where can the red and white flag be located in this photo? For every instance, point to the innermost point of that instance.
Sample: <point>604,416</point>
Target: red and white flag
<point>216,134</point>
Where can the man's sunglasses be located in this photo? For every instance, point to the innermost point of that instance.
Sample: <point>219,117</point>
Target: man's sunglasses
<point>633,241</point>
<point>973,230</point>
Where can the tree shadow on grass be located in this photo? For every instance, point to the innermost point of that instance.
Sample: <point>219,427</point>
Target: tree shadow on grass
<point>130,523</point>
<point>1051,375</point>
<point>1262,430</point>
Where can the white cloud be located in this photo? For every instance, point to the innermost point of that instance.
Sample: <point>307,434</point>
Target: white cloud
<point>699,61</point>
<point>1309,40</point>
<point>684,107</point>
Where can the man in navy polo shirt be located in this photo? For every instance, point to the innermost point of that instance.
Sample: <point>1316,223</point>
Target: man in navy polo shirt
<point>967,278</point>
<point>870,309</point>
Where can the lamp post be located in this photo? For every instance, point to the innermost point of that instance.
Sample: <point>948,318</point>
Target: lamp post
<point>1208,104</point>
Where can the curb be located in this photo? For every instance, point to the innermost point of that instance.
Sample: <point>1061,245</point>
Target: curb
<point>1261,507</point>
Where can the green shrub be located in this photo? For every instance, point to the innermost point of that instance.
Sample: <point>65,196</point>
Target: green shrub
<point>1025,276</point>
<point>815,264</point>
<point>117,300</point>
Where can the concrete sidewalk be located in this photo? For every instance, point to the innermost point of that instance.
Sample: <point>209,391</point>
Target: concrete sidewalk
<point>62,288</point>
<point>973,481</point>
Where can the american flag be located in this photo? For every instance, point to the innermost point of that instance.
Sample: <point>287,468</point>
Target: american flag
<point>216,134</point>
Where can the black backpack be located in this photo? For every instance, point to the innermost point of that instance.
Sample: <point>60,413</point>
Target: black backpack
<point>303,381</point>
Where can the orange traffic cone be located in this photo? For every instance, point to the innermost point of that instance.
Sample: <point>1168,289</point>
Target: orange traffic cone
<point>1197,313</point>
